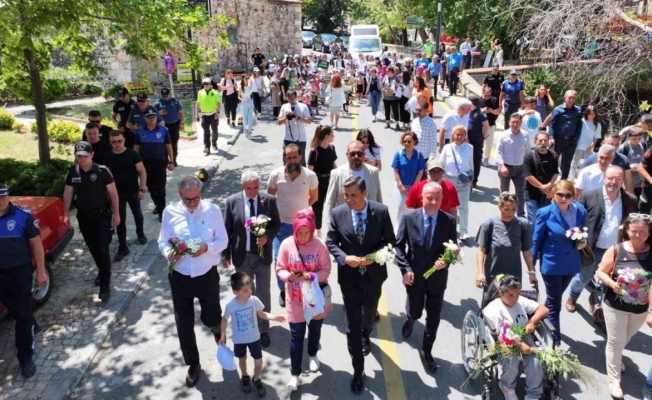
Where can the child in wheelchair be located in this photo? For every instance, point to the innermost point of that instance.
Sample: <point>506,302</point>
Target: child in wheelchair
<point>513,308</point>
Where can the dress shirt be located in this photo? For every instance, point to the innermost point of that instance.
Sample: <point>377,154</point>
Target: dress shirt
<point>354,216</point>
<point>432,226</point>
<point>205,223</point>
<point>463,154</point>
<point>512,147</point>
<point>426,131</point>
<point>613,213</point>
<point>247,215</point>
<point>590,132</point>
<point>465,48</point>
<point>571,215</point>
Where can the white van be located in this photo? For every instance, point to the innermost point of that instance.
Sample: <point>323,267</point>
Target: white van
<point>368,45</point>
<point>365,30</point>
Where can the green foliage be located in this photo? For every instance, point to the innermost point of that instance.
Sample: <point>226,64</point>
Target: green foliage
<point>534,77</point>
<point>31,179</point>
<point>7,120</point>
<point>108,122</point>
<point>112,91</point>
<point>18,127</point>
<point>326,16</point>
<point>62,131</point>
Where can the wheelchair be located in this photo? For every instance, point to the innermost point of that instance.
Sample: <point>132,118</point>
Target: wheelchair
<point>478,336</point>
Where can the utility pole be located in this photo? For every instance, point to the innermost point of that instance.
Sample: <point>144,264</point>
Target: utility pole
<point>438,30</point>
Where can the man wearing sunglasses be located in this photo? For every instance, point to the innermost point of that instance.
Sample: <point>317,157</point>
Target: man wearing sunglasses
<point>127,167</point>
<point>136,118</point>
<point>95,117</point>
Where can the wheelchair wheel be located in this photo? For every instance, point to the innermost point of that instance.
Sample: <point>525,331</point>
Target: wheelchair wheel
<point>551,389</point>
<point>470,342</point>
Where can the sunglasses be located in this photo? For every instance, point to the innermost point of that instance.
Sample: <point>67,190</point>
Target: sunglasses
<point>638,217</point>
<point>100,121</point>
<point>309,217</point>
<point>356,153</point>
<point>116,141</point>
<point>205,84</point>
<point>508,196</point>
<point>566,196</point>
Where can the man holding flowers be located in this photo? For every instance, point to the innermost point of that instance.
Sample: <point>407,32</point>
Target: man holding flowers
<point>193,274</point>
<point>421,242</point>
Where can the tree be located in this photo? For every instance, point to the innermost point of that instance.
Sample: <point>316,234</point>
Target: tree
<point>324,15</point>
<point>143,29</point>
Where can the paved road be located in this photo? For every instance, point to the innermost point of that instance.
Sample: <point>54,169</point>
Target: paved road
<point>141,358</point>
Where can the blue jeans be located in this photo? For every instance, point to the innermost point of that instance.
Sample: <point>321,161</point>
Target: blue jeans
<point>247,115</point>
<point>555,287</point>
<point>297,333</point>
<point>374,99</point>
<point>285,232</point>
<point>583,278</point>
<point>648,381</point>
<point>531,207</point>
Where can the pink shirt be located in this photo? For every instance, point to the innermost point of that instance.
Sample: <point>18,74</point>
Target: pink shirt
<point>317,260</point>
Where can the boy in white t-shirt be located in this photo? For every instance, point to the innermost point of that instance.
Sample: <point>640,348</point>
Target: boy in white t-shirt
<point>513,309</point>
<point>244,308</point>
<point>531,118</point>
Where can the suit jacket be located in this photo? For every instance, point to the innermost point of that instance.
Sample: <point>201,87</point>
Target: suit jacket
<point>342,241</point>
<point>234,220</point>
<point>411,250</point>
<point>335,193</point>
<point>593,201</point>
<point>556,252</point>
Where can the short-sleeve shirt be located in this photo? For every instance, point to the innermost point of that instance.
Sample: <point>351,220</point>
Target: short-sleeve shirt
<point>90,187</point>
<point>244,320</point>
<point>292,195</point>
<point>451,120</point>
<point>105,132</point>
<point>322,159</point>
<point>17,227</point>
<point>259,59</point>
<point>498,313</point>
<point>476,125</point>
<point>591,177</point>
<point>172,107</point>
<point>153,144</point>
<point>531,124</point>
<point>541,166</point>
<point>123,168</point>
<point>495,83</point>
<point>449,197</point>
<point>512,90</point>
<point>138,117</point>
<point>124,109</point>
<point>492,103</point>
<point>295,131</point>
<point>99,151</point>
<point>408,168</point>
<point>508,240</point>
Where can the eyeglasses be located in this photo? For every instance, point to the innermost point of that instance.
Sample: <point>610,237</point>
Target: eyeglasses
<point>309,217</point>
<point>407,142</point>
<point>356,153</point>
<point>564,195</point>
<point>614,178</point>
<point>190,200</point>
<point>638,217</point>
<point>116,141</point>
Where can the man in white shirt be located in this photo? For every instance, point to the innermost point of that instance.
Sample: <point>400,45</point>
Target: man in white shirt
<point>459,116</point>
<point>592,176</point>
<point>295,116</point>
<point>465,49</point>
<point>426,129</point>
<point>531,118</point>
<point>195,274</point>
<point>510,150</point>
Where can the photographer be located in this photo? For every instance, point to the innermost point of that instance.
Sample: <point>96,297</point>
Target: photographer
<point>295,116</point>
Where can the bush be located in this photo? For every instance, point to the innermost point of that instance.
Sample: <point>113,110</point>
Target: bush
<point>62,131</point>
<point>109,122</point>
<point>18,127</point>
<point>31,179</point>
<point>112,91</point>
<point>7,120</point>
<point>77,83</point>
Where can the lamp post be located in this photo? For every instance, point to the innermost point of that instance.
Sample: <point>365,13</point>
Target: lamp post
<point>438,30</point>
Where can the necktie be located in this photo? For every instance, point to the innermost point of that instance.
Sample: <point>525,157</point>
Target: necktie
<point>252,238</point>
<point>428,235</point>
<point>359,232</point>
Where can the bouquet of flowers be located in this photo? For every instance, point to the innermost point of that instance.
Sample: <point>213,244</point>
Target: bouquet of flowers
<point>181,247</point>
<point>452,255</point>
<point>578,235</point>
<point>511,335</point>
<point>257,226</point>
<point>383,256</point>
<point>634,284</point>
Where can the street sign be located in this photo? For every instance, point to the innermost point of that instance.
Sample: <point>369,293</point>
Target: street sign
<point>170,64</point>
<point>184,73</point>
<point>414,20</point>
<point>139,87</point>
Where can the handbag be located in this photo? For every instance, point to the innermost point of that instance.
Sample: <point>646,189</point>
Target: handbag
<point>324,286</point>
<point>587,257</point>
<point>464,177</point>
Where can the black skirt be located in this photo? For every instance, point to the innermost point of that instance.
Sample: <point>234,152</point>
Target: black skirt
<point>405,114</point>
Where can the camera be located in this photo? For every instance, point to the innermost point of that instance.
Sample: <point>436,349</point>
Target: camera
<point>291,115</point>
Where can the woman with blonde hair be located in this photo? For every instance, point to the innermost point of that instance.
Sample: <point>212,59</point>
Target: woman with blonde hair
<point>336,93</point>
<point>457,157</point>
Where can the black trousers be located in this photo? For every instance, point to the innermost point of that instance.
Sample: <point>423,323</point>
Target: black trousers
<point>565,149</point>
<point>453,80</point>
<point>136,211</point>
<point>258,102</point>
<point>205,288</point>
<point>360,305</point>
<point>477,159</point>
<point>646,207</point>
<point>156,179</point>
<point>467,60</point>
<point>16,295</point>
<point>511,108</point>
<point>95,227</point>
<point>230,107</point>
<point>431,295</point>
<point>173,130</point>
<point>318,206</point>
<point>392,105</point>
<point>209,125</point>
<point>406,116</point>
<point>276,111</point>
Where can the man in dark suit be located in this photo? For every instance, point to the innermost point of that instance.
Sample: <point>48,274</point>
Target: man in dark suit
<point>607,208</point>
<point>243,246</point>
<point>419,245</point>
<point>358,228</point>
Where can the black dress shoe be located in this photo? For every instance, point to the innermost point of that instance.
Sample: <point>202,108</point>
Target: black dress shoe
<point>193,375</point>
<point>142,240</point>
<point>366,345</point>
<point>28,369</point>
<point>121,254</point>
<point>155,211</point>
<point>357,383</point>
<point>105,293</point>
<point>406,331</point>
<point>97,280</point>
<point>281,299</point>
<point>264,340</point>
<point>428,361</point>
<point>377,318</point>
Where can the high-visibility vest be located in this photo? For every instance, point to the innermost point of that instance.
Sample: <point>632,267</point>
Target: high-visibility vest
<point>208,101</point>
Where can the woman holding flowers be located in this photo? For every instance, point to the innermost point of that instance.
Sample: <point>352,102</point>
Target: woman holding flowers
<point>626,271</point>
<point>303,258</point>
<point>558,254</point>
<point>508,315</point>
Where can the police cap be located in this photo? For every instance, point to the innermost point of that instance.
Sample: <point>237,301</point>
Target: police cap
<point>141,97</point>
<point>122,91</point>
<point>150,113</point>
<point>165,91</point>
<point>83,148</point>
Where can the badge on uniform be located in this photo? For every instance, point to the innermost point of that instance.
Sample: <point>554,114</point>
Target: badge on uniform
<point>11,224</point>
<point>93,177</point>
<point>76,179</point>
<point>36,224</point>
<point>158,135</point>
<point>143,135</point>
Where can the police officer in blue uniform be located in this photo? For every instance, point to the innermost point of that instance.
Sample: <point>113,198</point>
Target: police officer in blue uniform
<point>136,118</point>
<point>20,240</point>
<point>153,143</point>
<point>512,95</point>
<point>172,112</point>
<point>97,210</point>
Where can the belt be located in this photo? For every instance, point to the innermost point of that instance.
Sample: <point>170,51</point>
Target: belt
<point>513,166</point>
<point>564,137</point>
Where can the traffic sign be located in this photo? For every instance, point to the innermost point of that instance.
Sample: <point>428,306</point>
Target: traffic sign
<point>414,20</point>
<point>170,64</point>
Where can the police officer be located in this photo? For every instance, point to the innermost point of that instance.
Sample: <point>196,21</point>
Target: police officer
<point>512,95</point>
<point>136,118</point>
<point>152,142</point>
<point>208,112</point>
<point>122,108</point>
<point>19,241</point>
<point>172,112</point>
<point>97,210</point>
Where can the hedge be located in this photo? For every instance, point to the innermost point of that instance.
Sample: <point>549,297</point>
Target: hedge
<point>62,131</point>
<point>7,120</point>
<point>28,178</point>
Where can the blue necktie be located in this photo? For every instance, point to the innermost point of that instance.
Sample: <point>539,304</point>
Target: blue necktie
<point>359,232</point>
<point>428,235</point>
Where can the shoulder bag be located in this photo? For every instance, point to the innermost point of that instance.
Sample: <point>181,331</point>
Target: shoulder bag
<point>464,177</point>
<point>324,286</point>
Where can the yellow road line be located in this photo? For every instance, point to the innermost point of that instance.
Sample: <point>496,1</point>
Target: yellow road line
<point>389,352</point>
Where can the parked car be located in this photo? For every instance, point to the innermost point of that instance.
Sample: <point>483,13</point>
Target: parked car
<point>344,41</point>
<point>322,42</point>
<point>55,235</point>
<point>306,38</point>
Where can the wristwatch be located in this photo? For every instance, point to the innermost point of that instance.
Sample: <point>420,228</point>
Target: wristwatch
<point>142,190</point>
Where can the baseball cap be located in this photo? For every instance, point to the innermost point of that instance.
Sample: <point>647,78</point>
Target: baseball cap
<point>514,71</point>
<point>141,97</point>
<point>206,80</point>
<point>122,91</point>
<point>496,66</point>
<point>3,190</point>
<point>150,113</point>
<point>256,69</point>
<point>434,163</point>
<point>165,91</point>
<point>83,148</point>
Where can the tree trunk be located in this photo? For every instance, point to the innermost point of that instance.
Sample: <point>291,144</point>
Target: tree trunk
<point>423,34</point>
<point>39,105</point>
<point>404,37</point>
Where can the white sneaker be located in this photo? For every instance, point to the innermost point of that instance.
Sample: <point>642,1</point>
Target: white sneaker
<point>335,126</point>
<point>510,394</point>
<point>464,237</point>
<point>374,120</point>
<point>293,384</point>
<point>314,364</point>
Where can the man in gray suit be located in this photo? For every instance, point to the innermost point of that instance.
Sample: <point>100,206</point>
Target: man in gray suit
<point>243,245</point>
<point>355,167</point>
<point>419,245</point>
<point>358,228</point>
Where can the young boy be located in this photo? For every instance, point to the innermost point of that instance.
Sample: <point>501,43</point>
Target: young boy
<point>244,308</point>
